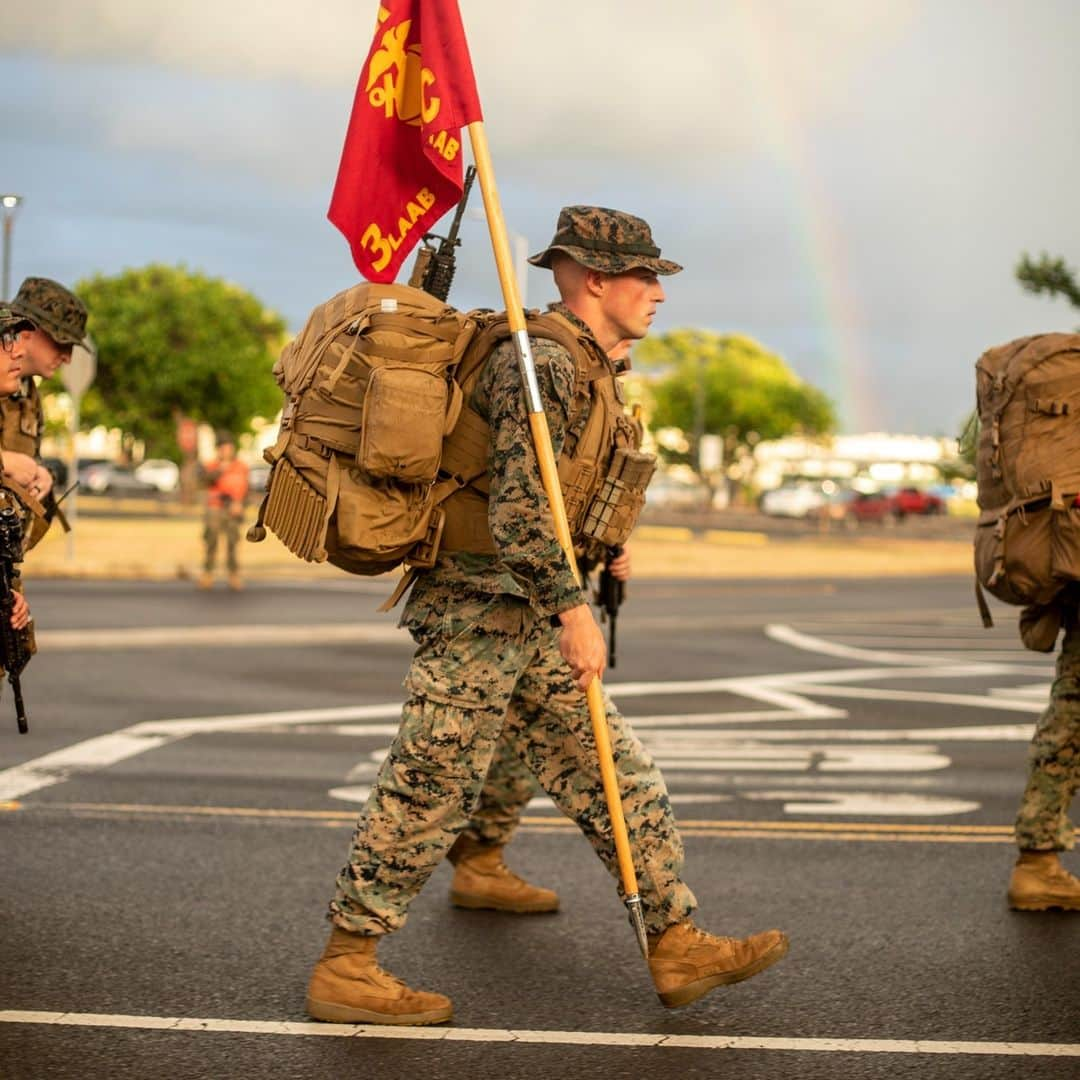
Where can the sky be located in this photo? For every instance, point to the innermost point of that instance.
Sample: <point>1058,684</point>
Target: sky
<point>851,182</point>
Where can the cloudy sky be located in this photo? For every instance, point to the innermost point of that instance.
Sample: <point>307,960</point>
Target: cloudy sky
<point>849,181</point>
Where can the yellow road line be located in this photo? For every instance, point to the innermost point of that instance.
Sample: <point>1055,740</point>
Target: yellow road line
<point>861,831</point>
<point>733,538</point>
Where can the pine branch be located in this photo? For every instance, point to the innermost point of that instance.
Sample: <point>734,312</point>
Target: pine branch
<point>1048,275</point>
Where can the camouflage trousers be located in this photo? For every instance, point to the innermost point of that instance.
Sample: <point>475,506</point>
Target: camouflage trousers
<point>487,677</point>
<point>219,523</point>
<point>1042,823</point>
<point>508,788</point>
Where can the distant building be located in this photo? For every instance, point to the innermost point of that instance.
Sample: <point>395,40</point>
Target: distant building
<point>863,461</point>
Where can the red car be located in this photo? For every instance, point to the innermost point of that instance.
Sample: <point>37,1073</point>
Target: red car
<point>876,506</point>
<point>886,505</point>
<point>913,501</point>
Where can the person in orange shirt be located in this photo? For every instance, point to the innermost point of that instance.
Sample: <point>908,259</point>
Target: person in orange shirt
<point>227,480</point>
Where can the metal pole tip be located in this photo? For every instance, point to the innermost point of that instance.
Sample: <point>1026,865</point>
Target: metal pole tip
<point>637,921</point>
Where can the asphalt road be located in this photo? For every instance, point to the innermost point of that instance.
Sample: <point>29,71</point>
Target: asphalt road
<point>845,761</point>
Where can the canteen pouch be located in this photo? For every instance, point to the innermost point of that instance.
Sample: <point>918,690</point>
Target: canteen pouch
<point>405,417</point>
<point>614,511</point>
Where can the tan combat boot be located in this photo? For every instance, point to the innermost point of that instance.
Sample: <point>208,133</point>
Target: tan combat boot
<point>483,880</point>
<point>348,987</point>
<point>206,580</point>
<point>236,582</point>
<point>1039,882</point>
<point>686,962</point>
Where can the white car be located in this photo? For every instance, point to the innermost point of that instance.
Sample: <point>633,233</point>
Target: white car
<point>676,493</point>
<point>162,474</point>
<point>793,500</point>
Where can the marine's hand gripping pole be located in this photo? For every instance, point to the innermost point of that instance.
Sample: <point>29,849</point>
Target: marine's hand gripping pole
<point>545,456</point>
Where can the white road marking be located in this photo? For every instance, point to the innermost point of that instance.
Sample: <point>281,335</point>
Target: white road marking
<point>88,756</point>
<point>358,793</point>
<point>243,636</point>
<point>789,636</point>
<point>1036,691</point>
<point>1002,701</point>
<point>785,691</point>
<point>106,750</point>
<point>865,803</point>
<point>560,1038</point>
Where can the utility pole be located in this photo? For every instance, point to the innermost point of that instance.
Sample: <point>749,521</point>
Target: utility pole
<point>76,375</point>
<point>10,204</point>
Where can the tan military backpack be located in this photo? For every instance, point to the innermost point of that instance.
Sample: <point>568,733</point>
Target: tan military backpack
<point>1027,544</point>
<point>375,438</point>
<point>370,395</point>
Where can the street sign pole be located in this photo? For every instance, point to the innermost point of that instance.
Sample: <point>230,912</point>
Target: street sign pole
<point>77,375</point>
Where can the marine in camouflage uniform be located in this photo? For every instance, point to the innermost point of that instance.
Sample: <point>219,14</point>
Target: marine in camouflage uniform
<point>490,661</point>
<point>59,319</point>
<point>1043,828</point>
<point>14,329</point>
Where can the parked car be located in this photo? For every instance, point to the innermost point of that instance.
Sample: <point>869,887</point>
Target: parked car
<point>162,474</point>
<point>669,492</point>
<point>793,500</point>
<point>103,477</point>
<point>804,499</point>
<point>911,500</point>
<point>874,506</point>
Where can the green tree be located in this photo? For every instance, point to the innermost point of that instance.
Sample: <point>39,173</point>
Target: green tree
<point>1047,275</point>
<point>729,385</point>
<point>172,342</point>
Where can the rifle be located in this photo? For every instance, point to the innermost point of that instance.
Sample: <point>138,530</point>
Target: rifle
<point>434,268</point>
<point>14,651</point>
<point>610,594</point>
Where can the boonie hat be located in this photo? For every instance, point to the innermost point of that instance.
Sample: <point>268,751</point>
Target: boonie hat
<point>610,241</point>
<point>52,308</point>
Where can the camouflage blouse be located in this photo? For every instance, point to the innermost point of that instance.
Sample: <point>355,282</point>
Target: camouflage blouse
<point>530,563</point>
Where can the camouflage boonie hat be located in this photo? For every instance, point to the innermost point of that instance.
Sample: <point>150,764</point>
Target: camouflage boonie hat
<point>10,320</point>
<point>54,309</point>
<point>606,240</point>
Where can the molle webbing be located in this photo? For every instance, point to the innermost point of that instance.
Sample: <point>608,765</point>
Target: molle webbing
<point>614,512</point>
<point>20,423</point>
<point>582,463</point>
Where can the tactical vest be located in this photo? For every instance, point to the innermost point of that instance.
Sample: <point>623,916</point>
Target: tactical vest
<point>21,421</point>
<point>602,471</point>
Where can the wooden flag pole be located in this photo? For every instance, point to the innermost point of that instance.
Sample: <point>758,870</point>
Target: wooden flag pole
<point>549,474</point>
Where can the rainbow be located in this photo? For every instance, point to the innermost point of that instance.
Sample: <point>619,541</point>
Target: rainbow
<point>824,254</point>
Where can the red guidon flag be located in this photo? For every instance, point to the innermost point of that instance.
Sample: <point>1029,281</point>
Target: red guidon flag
<point>401,164</point>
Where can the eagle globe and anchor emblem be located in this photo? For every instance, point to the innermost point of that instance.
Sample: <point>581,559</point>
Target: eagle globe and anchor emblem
<point>397,82</point>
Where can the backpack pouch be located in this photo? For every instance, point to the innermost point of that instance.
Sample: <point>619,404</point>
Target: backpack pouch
<point>405,416</point>
<point>377,520</point>
<point>1013,561</point>
<point>1065,544</point>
